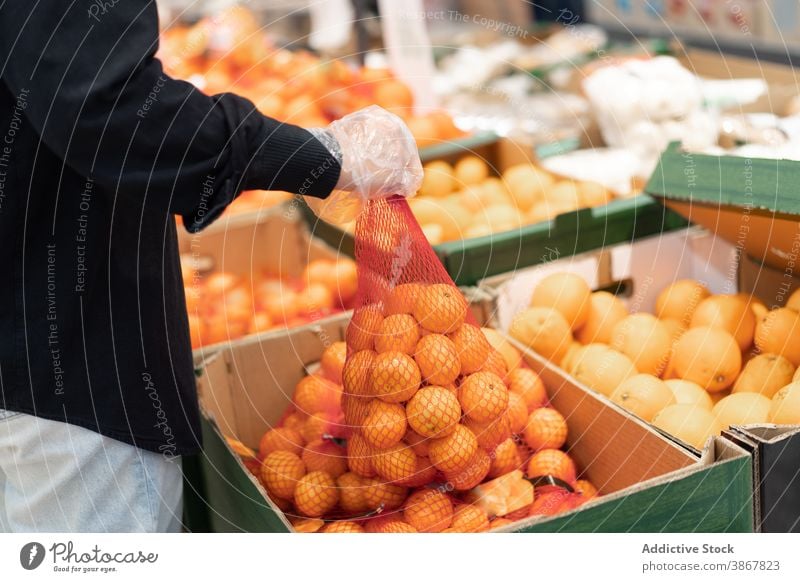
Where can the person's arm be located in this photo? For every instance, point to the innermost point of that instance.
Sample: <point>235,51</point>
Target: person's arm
<point>99,99</point>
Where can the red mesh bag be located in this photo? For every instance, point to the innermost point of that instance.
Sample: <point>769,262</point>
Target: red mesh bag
<point>411,344</point>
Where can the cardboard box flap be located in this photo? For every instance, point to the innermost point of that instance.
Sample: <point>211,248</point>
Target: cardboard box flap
<point>752,203</point>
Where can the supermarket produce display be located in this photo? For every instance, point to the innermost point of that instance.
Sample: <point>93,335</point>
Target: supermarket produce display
<point>537,273</point>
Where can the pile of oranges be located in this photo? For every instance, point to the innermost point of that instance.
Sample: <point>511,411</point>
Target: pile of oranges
<point>223,306</point>
<point>466,200</point>
<point>700,364</point>
<point>230,51</point>
<point>399,423</point>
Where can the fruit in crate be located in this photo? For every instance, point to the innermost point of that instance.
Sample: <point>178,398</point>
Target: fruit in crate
<point>701,363</point>
<point>223,306</point>
<point>229,51</point>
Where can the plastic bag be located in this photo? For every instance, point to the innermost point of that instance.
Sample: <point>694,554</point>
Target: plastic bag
<point>378,157</point>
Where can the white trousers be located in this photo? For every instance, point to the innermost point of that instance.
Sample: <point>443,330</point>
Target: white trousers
<point>57,477</point>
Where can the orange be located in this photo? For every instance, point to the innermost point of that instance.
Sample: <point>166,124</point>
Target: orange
<point>469,518</point>
<point>281,306</point>
<point>295,421</point>
<point>424,472</point>
<point>261,322</point>
<point>326,456</point>
<point>342,527</point>
<point>359,456</point>
<point>355,409</point>
<point>363,328</point>
<point>679,300</point>
<point>471,475</point>
<point>320,272</point>
<point>396,463</point>
<point>544,330</point>
<point>470,170</point>
<point>385,424</point>
<point>395,377</point>
<point>517,412</point>
<point>644,395</point>
<point>510,354</point>
<point>490,434</point>
<point>383,495</point>
<point>433,412</point>
<point>742,408</point>
<point>566,292</point>
<point>686,392</point>
<point>417,442</point>
<point>357,371</point>
<point>765,374</point>
<point>757,306</point>
<point>281,439</point>
<point>505,458</point>
<point>314,299</point>
<point>395,96</point>
<point>280,473</point>
<point>785,407</point>
<point>428,510</point>
<point>438,360</point>
<point>728,312</point>
<point>529,386</point>
<point>438,179</point>
<point>709,357</point>
<point>601,368</point>
<point>546,429</point>
<point>315,393</point>
<point>552,462</point>
<point>585,488</point>
<point>495,364</point>
<point>687,422</point>
<point>397,333</point>
<point>605,311</point>
<point>316,494</point>
<point>440,308</point>
<point>401,299</point>
<point>483,396</point>
<point>333,360</point>
<point>645,340</point>
<point>452,453</point>
<point>778,332</point>
<point>322,424</point>
<point>351,494</point>
<point>472,347</point>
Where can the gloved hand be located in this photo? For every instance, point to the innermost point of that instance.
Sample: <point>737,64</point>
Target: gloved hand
<point>377,154</point>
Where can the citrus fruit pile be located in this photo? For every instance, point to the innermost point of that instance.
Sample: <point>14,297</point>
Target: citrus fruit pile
<point>229,51</point>
<point>394,437</point>
<point>700,364</point>
<point>223,306</point>
<point>467,200</point>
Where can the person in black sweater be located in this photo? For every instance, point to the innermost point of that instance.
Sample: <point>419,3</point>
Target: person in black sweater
<point>99,149</point>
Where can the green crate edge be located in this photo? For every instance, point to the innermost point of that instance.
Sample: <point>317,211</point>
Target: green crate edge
<point>717,498</point>
<point>721,180</point>
<point>469,261</point>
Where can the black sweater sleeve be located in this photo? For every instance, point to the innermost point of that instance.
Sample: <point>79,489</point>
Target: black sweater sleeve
<point>99,99</point>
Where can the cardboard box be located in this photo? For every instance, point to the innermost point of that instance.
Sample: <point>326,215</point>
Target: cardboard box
<point>649,482</point>
<point>277,243</point>
<point>468,261</point>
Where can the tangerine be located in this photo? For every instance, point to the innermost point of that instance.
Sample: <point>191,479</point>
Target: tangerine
<point>440,308</point>
<point>385,424</point>
<point>452,453</point>
<point>438,360</point>
<point>280,473</point>
<point>316,494</point>
<point>428,510</point>
<point>397,333</point>
<point>483,396</point>
<point>546,429</point>
<point>395,377</point>
<point>433,412</point>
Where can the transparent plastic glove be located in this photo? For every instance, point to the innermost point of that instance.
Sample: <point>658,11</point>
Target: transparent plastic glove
<point>378,157</point>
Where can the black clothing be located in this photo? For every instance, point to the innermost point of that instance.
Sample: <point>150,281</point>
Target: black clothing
<point>98,150</point>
